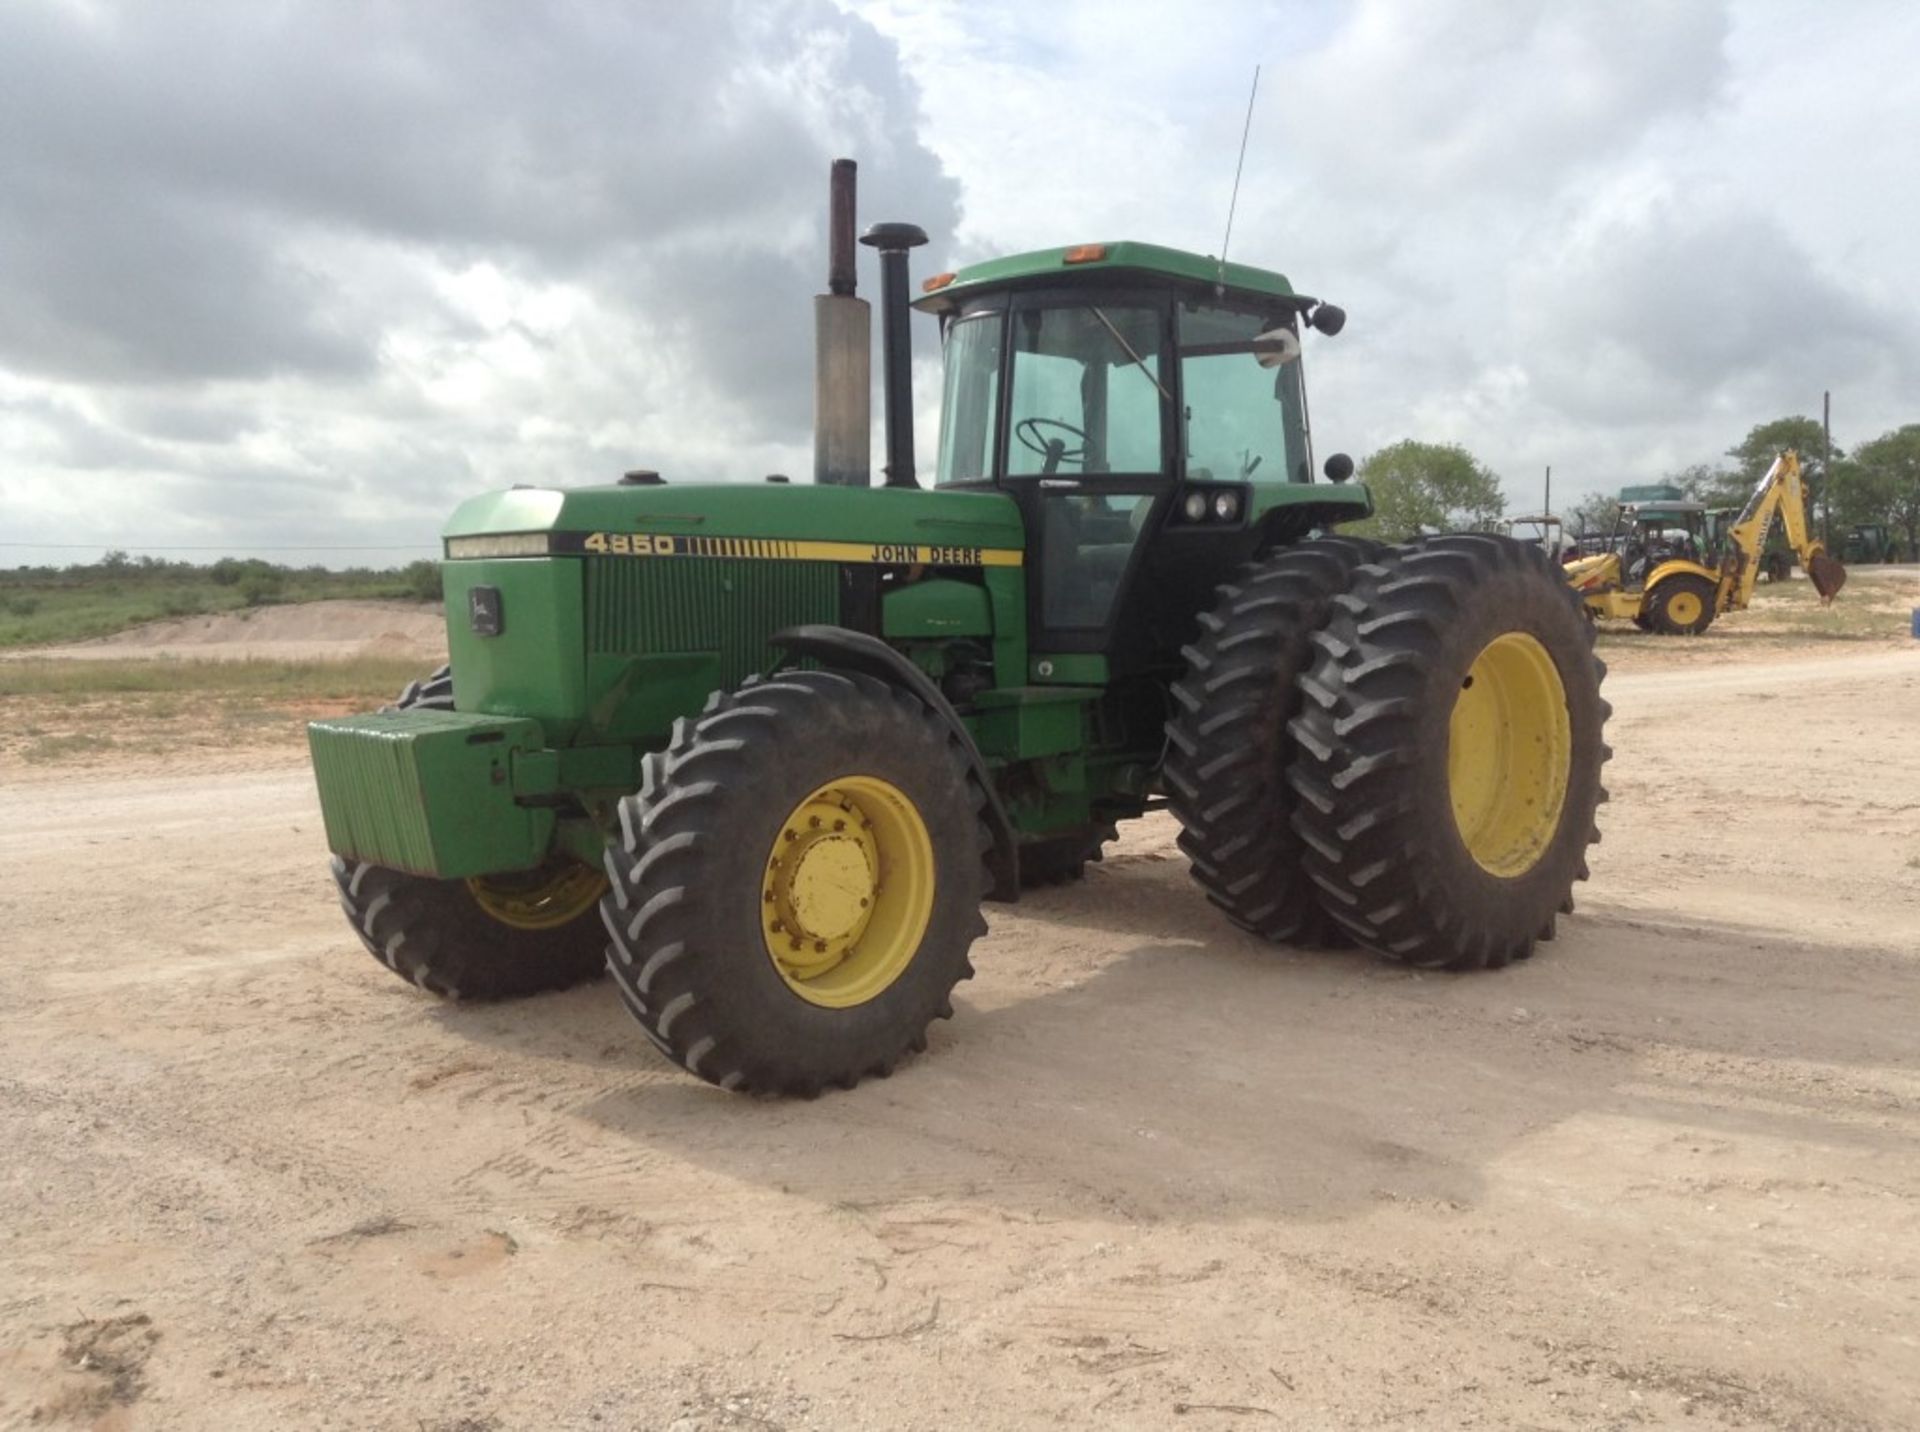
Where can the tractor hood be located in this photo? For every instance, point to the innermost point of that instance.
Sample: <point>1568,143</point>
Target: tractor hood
<point>808,521</point>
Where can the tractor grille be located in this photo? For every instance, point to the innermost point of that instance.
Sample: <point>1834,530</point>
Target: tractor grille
<point>640,606</point>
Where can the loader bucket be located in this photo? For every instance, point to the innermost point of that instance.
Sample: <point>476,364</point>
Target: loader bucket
<point>1828,576</point>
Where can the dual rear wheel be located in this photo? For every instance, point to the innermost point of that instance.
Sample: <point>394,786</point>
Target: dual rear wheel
<point>1396,746</point>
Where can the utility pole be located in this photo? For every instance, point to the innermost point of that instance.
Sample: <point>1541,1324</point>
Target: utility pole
<point>1547,501</point>
<point>1826,469</point>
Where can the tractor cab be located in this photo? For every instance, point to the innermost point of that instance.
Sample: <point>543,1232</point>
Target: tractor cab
<point>1145,409</point>
<point>1650,533</point>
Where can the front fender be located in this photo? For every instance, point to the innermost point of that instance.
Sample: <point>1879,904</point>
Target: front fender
<point>1677,566</point>
<point>839,649</point>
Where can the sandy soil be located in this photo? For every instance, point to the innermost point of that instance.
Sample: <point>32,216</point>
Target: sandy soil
<point>1155,1175</point>
<point>307,631</point>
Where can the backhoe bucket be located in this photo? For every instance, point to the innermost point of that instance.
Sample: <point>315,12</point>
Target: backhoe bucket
<point>1828,575</point>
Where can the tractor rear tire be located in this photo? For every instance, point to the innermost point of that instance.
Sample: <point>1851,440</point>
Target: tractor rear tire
<point>736,942</point>
<point>497,938</point>
<point>1681,606</point>
<point>1228,745</point>
<point>1443,829</point>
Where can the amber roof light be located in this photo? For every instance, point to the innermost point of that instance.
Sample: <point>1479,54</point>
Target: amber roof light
<point>1085,254</point>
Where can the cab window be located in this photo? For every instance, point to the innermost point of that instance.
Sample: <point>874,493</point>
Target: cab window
<point>1240,383</point>
<point>1087,393</point>
<point>972,399</point>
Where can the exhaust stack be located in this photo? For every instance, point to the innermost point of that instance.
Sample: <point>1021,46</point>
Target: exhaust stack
<point>842,352</point>
<point>893,241</point>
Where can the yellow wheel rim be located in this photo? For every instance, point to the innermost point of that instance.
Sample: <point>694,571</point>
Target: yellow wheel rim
<point>555,894</point>
<point>1684,608</point>
<point>1509,751</point>
<point>847,891</point>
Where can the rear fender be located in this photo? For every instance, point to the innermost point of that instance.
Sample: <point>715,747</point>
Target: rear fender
<point>1679,566</point>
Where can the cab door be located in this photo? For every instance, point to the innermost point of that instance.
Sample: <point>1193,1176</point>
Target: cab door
<point>1087,433</point>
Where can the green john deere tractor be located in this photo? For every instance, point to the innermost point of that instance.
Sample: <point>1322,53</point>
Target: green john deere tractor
<point>777,743</point>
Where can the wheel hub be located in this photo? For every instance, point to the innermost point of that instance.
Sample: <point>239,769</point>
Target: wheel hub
<point>848,891</point>
<point>821,884</point>
<point>554,894</point>
<point>1509,754</point>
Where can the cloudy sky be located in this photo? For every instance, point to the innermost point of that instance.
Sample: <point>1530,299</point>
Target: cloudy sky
<point>289,277</point>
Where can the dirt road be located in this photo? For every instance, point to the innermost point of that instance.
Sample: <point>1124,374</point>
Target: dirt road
<point>1155,1174</point>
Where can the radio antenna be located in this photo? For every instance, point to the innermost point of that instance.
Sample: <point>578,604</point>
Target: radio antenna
<point>1239,165</point>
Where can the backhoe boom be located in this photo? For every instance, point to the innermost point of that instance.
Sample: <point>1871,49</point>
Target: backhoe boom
<point>1781,490</point>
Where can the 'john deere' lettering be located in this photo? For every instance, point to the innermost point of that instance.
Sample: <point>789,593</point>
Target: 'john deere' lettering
<point>780,549</point>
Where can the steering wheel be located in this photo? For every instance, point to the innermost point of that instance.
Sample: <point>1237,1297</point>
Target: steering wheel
<point>1054,450</point>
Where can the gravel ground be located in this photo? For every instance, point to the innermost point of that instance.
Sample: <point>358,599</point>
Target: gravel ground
<point>1155,1174</point>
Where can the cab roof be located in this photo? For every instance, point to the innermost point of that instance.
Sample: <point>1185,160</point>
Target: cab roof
<point>1118,260</point>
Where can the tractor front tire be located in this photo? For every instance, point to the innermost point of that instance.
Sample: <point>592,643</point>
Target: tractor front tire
<point>797,884</point>
<point>1681,606</point>
<point>1228,744</point>
<point>495,938</point>
<point>1449,749</point>
<point>500,937</point>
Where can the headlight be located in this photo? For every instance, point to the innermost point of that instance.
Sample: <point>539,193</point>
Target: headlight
<point>1195,506</point>
<point>1226,505</point>
<point>510,544</point>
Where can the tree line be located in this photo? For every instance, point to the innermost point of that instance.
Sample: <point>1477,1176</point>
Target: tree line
<point>1441,487</point>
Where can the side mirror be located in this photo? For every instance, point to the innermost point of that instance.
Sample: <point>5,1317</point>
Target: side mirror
<point>1339,467</point>
<point>1328,318</point>
<point>1276,348</point>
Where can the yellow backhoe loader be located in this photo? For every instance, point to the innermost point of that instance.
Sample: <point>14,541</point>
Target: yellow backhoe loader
<point>1660,575</point>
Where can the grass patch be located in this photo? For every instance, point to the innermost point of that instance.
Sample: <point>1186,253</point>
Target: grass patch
<point>372,678</point>
<point>80,712</point>
<point>45,605</point>
<point>1871,609</point>
<point>43,749</point>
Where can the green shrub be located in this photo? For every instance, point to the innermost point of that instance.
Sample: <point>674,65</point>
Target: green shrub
<point>263,587</point>
<point>423,580</point>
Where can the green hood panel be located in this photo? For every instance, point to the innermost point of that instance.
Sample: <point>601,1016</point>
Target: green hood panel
<point>790,511</point>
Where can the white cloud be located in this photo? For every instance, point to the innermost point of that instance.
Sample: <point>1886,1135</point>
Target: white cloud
<point>296,273</point>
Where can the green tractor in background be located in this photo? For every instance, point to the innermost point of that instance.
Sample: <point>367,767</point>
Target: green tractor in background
<point>762,749</point>
<point>1871,542</point>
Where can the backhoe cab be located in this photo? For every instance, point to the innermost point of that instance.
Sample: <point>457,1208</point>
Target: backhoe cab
<point>1673,566</point>
<point>762,749</point>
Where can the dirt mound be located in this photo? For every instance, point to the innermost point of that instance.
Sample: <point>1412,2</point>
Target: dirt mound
<point>301,631</point>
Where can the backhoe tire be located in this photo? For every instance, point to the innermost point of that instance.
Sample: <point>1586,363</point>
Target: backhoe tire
<point>1228,744</point>
<point>1062,859</point>
<point>737,942</point>
<point>497,938</point>
<point>1448,753</point>
<point>1681,606</point>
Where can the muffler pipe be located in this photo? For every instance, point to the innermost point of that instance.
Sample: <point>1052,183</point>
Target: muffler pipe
<point>893,241</point>
<point>842,352</point>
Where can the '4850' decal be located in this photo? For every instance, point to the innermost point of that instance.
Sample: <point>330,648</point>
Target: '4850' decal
<point>662,544</point>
